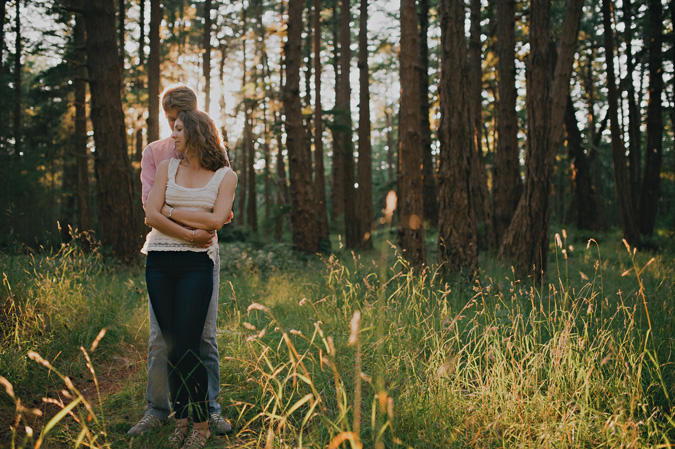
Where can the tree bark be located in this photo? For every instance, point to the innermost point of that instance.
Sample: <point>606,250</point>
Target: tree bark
<point>621,177</point>
<point>113,171</point>
<point>283,195</point>
<point>526,240</point>
<point>480,198</point>
<point>411,211</point>
<point>207,55</point>
<point>650,194</point>
<point>430,194</point>
<point>304,227</point>
<point>3,12</point>
<point>364,195</point>
<point>634,119</point>
<point>140,85</point>
<point>337,192</point>
<point>389,120</point>
<point>153,71</point>
<point>344,122</point>
<point>85,221</point>
<point>584,195</point>
<point>141,38</point>
<point>595,137</point>
<point>319,169</point>
<point>507,185</point>
<point>249,147</point>
<point>223,47</point>
<point>266,137</point>
<point>17,82</point>
<point>242,148</point>
<point>457,248</point>
<point>121,17</point>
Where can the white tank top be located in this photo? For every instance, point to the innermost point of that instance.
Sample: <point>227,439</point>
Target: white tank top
<point>188,198</point>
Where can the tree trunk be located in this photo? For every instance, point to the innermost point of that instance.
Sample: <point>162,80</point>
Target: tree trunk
<point>121,17</point>
<point>411,209</point>
<point>141,38</point>
<point>3,11</point>
<point>389,120</point>
<point>480,198</point>
<point>457,248</point>
<point>283,195</point>
<point>621,178</point>
<point>153,71</point>
<point>307,51</point>
<point>634,119</point>
<point>507,185</point>
<point>583,196</point>
<point>344,122</point>
<point>113,171</point>
<point>85,221</point>
<point>262,49</point>
<point>526,240</point>
<point>304,227</point>
<point>17,83</point>
<point>140,85</point>
<point>319,169</point>
<point>242,148</point>
<point>337,192</point>
<point>430,195</point>
<point>364,196</point>
<point>221,78</point>
<point>595,137</point>
<point>241,161</point>
<point>650,194</point>
<point>249,147</point>
<point>207,55</point>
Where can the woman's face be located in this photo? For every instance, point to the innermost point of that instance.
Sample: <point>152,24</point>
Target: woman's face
<point>178,136</point>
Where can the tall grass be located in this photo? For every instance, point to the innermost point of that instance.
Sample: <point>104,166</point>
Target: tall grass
<point>359,350</point>
<point>53,306</point>
<point>582,362</point>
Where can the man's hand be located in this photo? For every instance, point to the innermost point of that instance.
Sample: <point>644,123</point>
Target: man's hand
<point>165,210</point>
<point>229,219</point>
<point>202,238</point>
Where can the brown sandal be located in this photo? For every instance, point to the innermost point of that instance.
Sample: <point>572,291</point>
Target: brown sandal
<point>196,439</point>
<point>180,433</point>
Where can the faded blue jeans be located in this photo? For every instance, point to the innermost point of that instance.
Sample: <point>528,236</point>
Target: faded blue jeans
<point>157,392</point>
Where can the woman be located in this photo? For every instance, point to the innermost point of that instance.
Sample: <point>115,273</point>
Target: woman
<point>197,191</point>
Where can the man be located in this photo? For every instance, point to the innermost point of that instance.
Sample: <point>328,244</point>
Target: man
<point>174,99</point>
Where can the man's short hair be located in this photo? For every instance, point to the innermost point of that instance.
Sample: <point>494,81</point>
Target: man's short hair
<point>179,97</point>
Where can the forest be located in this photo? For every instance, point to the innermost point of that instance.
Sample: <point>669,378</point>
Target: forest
<point>477,195</point>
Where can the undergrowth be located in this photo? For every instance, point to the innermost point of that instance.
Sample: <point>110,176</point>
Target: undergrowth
<point>359,350</point>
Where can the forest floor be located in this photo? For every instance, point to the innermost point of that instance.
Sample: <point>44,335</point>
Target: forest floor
<point>582,359</point>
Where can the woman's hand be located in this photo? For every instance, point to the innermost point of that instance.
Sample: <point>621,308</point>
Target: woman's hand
<point>202,238</point>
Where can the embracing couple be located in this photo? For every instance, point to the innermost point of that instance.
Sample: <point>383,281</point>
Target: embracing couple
<point>188,190</point>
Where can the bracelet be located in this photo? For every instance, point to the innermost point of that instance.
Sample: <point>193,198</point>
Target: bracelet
<point>170,212</point>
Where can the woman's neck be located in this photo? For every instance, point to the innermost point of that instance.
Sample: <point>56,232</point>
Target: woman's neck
<point>191,163</point>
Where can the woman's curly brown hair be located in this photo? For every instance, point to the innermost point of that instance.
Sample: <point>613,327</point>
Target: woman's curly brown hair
<point>202,140</point>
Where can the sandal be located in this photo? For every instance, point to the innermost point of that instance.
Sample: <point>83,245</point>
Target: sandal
<point>180,433</point>
<point>196,439</point>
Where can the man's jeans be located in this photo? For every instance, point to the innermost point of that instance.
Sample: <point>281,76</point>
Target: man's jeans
<point>157,393</point>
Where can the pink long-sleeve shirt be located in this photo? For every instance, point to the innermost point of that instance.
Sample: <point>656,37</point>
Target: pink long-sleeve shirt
<point>153,154</point>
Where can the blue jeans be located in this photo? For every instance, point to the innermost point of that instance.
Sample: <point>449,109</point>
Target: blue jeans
<point>157,392</point>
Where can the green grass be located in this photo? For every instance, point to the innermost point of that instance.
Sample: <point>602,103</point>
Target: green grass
<point>356,349</point>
